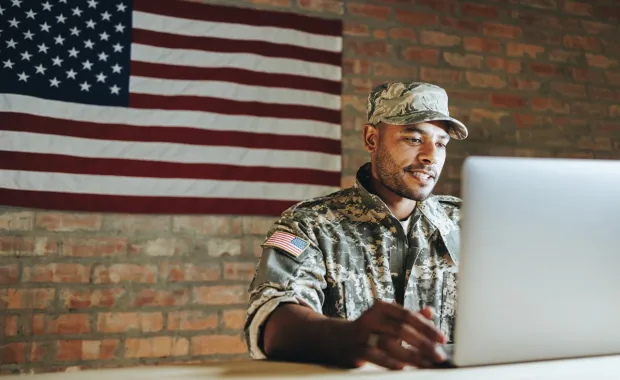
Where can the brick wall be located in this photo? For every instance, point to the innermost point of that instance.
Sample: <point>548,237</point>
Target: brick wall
<point>529,77</point>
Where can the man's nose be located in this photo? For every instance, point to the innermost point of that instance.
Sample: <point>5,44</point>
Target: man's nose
<point>428,153</point>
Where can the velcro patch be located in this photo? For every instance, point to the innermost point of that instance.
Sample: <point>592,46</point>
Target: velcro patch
<point>287,242</point>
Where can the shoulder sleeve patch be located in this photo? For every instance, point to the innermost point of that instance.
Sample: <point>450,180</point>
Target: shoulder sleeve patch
<point>288,242</point>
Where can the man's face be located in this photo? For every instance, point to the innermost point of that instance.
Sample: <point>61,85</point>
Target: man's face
<point>408,159</point>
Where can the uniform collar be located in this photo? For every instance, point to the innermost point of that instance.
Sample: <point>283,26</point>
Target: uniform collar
<point>431,208</point>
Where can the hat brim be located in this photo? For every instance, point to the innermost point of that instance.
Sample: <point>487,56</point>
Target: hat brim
<point>457,130</point>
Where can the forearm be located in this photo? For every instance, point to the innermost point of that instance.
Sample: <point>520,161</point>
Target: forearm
<point>297,333</point>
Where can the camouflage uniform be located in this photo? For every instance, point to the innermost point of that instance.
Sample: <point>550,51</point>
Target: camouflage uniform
<point>339,253</point>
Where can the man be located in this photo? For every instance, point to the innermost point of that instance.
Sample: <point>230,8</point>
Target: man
<point>368,274</point>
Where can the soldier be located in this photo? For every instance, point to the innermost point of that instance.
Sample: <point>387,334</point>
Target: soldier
<point>368,273</point>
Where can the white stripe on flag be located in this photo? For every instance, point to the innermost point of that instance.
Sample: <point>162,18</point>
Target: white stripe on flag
<point>246,61</point>
<point>233,91</point>
<point>173,25</point>
<point>166,118</point>
<point>157,187</point>
<point>165,152</point>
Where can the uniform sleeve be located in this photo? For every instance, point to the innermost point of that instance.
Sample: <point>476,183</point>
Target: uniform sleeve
<point>284,276</point>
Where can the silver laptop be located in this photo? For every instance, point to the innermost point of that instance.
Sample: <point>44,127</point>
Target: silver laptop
<point>539,272</point>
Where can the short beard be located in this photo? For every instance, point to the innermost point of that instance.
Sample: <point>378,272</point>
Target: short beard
<point>391,176</point>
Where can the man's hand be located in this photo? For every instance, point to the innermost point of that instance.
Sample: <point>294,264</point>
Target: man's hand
<point>378,334</point>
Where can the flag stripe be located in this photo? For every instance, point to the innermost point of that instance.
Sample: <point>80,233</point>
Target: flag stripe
<point>138,168</point>
<point>164,71</point>
<point>158,187</point>
<point>246,61</point>
<point>164,152</point>
<point>225,45</point>
<point>233,107</point>
<point>180,135</point>
<point>166,118</point>
<point>234,15</point>
<point>232,91</point>
<point>140,204</point>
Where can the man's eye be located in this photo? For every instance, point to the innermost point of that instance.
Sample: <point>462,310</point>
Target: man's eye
<point>441,145</point>
<point>414,140</point>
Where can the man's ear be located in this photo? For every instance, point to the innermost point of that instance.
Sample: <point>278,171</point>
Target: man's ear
<point>371,138</point>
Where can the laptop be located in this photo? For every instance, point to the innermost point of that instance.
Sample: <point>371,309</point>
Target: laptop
<point>539,268</point>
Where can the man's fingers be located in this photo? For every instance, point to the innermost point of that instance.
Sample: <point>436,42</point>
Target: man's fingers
<point>381,358</point>
<point>408,355</point>
<point>399,314</point>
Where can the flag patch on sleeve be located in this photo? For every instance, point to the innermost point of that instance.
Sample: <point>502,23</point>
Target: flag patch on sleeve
<point>287,242</point>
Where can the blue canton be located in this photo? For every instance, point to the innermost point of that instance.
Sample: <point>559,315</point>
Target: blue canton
<point>299,243</point>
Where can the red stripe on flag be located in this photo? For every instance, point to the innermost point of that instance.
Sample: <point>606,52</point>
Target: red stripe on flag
<point>237,15</point>
<point>219,45</point>
<point>233,107</point>
<point>178,135</point>
<point>137,168</point>
<point>140,204</point>
<point>156,70</point>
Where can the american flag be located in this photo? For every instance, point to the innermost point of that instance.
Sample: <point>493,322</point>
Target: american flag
<point>288,242</point>
<point>165,106</point>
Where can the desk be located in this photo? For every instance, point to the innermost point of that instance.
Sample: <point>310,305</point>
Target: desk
<point>575,369</point>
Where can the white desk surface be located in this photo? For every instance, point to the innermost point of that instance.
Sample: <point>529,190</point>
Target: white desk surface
<point>596,368</point>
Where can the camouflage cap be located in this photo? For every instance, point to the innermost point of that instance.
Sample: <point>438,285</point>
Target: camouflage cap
<point>409,103</point>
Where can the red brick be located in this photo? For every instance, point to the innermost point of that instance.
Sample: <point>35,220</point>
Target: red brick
<point>479,10</point>
<point>379,34</point>
<point>156,347</point>
<point>403,34</point>
<point>16,220</point>
<point>356,102</point>
<point>85,298</point>
<point>127,321</point>
<point>355,29</point>
<point>601,93</point>
<point>12,353</point>
<point>58,273</point>
<point>549,104</point>
<point>220,294</point>
<point>584,75</point>
<point>420,55</point>
<point>507,100</point>
<point>529,121</point>
<point>443,6</point>
<point>132,224</point>
<point>26,298</point>
<point>543,4</point>
<point>582,42</point>
<point>323,6</point>
<point>471,61</point>
<point>416,18</point>
<point>118,273</point>
<point>613,77</point>
<point>10,325</point>
<point>564,56</point>
<point>61,221</point>
<point>27,246</point>
<point>99,349</point>
<point>485,80</point>
<point>509,66</point>
<point>594,143</point>
<point>386,70</point>
<point>577,8</point>
<point>569,90</point>
<point>207,225</point>
<point>9,274</point>
<point>190,320</point>
<point>460,24</point>
<point>356,85</point>
<point>233,319</point>
<point>535,18</point>
<point>67,324</point>
<point>614,110</point>
<point>466,96</point>
<point>69,350</point>
<point>219,247</point>
<point>501,30</point>
<point>440,75</point>
<point>370,48</point>
<point>168,297</point>
<point>365,10</point>
<point>600,61</point>
<point>218,344</point>
<point>479,115</point>
<point>524,84</point>
<point>355,66</point>
<point>608,127</point>
<point>163,247</point>
<point>439,39</point>
<point>186,272</point>
<point>482,45</point>
<point>94,247</point>
<point>544,69</point>
<point>611,12</point>
<point>239,271</point>
<point>593,27</point>
<point>273,3</point>
<point>514,49</point>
